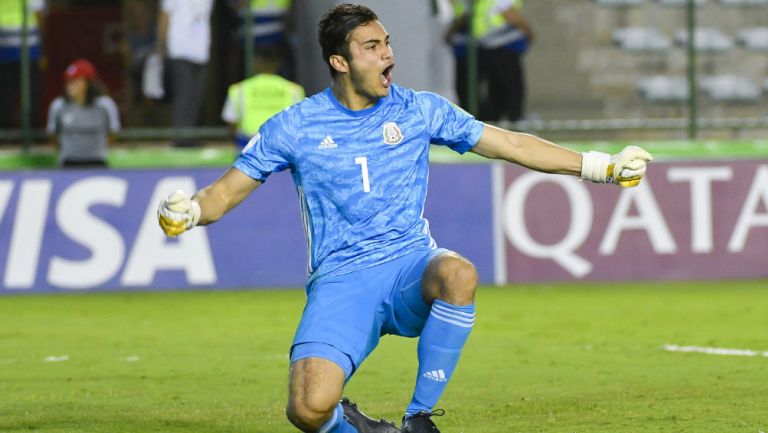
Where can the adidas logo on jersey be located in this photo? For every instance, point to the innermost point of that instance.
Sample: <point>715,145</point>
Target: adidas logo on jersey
<point>437,376</point>
<point>327,143</point>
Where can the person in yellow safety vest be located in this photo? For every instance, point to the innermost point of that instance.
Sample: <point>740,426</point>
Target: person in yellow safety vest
<point>254,100</point>
<point>271,28</point>
<point>11,31</point>
<point>504,36</point>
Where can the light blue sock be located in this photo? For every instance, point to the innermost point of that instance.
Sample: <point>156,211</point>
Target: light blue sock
<point>440,344</point>
<point>337,423</point>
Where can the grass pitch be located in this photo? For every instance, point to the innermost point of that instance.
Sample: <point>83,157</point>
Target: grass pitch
<point>555,358</point>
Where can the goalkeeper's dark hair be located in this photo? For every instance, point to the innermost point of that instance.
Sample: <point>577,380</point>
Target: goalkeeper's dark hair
<point>335,27</point>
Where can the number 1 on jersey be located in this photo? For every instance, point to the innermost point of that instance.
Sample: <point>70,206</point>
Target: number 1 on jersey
<point>363,162</point>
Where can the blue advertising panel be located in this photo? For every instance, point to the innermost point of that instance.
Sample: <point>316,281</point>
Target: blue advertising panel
<point>63,231</point>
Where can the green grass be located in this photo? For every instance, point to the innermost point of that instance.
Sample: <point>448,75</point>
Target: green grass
<point>554,358</point>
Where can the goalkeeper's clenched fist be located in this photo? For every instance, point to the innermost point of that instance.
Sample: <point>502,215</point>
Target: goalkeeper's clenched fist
<point>626,168</point>
<point>178,213</point>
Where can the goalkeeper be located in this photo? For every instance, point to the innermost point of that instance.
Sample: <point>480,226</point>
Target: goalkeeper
<point>358,153</point>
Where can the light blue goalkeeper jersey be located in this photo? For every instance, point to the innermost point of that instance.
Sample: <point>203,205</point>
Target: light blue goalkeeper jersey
<point>361,175</point>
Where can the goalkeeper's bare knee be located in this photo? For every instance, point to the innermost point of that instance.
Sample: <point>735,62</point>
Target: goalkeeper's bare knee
<point>450,278</point>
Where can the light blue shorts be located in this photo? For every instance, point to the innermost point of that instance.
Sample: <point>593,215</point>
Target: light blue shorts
<point>345,315</point>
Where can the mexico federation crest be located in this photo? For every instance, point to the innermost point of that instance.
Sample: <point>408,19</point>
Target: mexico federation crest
<point>392,133</point>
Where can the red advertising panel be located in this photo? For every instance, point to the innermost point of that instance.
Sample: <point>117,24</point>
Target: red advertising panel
<point>687,220</point>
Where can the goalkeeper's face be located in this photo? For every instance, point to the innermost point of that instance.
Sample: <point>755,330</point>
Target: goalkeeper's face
<point>371,60</point>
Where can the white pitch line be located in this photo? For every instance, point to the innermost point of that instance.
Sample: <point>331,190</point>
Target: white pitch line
<point>52,358</point>
<point>714,350</point>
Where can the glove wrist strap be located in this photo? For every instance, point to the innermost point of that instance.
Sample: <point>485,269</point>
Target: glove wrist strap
<point>595,167</point>
<point>195,213</point>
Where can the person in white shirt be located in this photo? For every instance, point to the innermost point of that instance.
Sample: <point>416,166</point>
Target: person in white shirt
<point>184,36</point>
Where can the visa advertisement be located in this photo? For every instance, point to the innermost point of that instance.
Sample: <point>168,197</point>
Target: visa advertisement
<point>66,231</point>
<point>96,230</point>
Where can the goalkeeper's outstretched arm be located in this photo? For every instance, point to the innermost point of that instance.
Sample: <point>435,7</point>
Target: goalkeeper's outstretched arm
<point>223,195</point>
<point>179,212</point>
<point>626,168</point>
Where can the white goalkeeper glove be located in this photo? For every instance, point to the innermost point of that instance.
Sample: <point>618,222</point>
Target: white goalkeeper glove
<point>178,213</point>
<point>626,168</point>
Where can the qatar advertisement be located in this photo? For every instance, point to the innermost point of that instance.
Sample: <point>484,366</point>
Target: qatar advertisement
<point>686,221</point>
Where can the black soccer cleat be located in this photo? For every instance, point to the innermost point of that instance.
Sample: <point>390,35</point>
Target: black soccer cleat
<point>363,423</point>
<point>421,422</point>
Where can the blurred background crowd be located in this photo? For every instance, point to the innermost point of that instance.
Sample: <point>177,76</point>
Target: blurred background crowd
<point>183,71</point>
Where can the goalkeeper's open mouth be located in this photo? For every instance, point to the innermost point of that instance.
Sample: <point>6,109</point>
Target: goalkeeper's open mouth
<point>386,75</point>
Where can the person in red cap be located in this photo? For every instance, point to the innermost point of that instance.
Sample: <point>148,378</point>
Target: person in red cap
<point>84,119</point>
